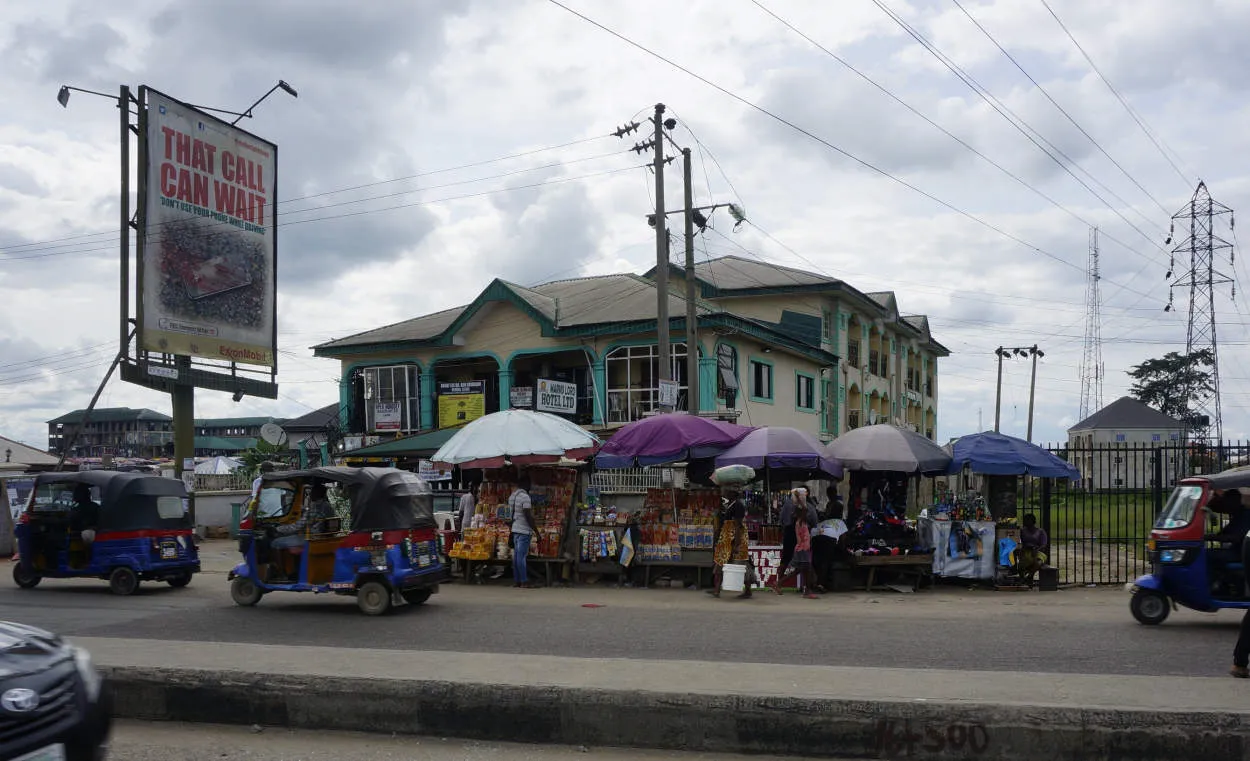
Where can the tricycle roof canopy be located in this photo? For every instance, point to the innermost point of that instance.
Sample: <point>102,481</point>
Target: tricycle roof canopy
<point>1233,478</point>
<point>128,501</point>
<point>997,454</point>
<point>382,499</point>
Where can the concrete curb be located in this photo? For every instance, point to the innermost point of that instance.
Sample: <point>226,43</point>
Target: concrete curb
<point>672,721</point>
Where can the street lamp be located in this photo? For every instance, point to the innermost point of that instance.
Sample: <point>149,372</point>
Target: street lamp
<point>282,84</point>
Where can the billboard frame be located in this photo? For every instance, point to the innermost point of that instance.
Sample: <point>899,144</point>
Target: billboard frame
<point>168,372</point>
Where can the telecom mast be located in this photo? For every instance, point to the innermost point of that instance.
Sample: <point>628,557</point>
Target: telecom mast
<point>1091,360</point>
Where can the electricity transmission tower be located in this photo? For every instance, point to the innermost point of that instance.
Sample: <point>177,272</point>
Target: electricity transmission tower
<point>1091,360</point>
<point>1202,244</point>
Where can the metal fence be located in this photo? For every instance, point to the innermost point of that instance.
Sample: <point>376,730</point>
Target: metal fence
<point>1098,525</point>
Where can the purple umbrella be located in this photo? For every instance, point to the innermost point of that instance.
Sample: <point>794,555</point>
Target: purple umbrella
<point>784,452</point>
<point>672,437</point>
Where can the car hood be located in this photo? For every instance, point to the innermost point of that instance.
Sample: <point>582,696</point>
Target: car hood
<point>24,649</point>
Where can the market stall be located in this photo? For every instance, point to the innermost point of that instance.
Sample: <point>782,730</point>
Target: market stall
<point>884,460</point>
<point>548,447</point>
<point>643,511</point>
<point>780,456</point>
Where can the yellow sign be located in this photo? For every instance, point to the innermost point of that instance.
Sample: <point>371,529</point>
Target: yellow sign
<point>460,403</point>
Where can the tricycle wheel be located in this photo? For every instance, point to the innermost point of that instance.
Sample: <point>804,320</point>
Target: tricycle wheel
<point>417,596</point>
<point>373,598</point>
<point>24,576</point>
<point>1150,607</point>
<point>123,581</point>
<point>245,592</point>
<point>179,581</point>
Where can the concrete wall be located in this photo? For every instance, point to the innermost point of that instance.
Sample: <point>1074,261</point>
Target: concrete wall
<point>212,508</point>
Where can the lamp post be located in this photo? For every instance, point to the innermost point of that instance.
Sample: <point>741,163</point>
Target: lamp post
<point>1011,353</point>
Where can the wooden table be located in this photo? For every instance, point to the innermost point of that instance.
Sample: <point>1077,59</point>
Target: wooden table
<point>917,566</point>
<point>531,561</point>
<point>698,565</point>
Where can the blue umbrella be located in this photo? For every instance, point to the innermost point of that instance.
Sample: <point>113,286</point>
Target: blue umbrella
<point>997,454</point>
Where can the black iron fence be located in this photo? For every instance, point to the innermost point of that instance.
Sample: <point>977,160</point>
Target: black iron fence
<point>1098,525</point>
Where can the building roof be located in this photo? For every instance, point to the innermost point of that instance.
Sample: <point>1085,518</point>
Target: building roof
<point>224,443</point>
<point>1127,412</point>
<point>424,328</point>
<point>316,420</point>
<point>18,453</point>
<point>736,273</point>
<point>421,444</point>
<point>113,415</point>
<point>234,422</point>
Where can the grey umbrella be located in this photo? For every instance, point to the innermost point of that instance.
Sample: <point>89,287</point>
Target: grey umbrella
<point>888,447</point>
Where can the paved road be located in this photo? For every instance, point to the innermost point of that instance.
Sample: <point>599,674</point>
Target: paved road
<point>1083,631</point>
<point>136,741</point>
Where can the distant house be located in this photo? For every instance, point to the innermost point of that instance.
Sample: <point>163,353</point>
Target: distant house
<point>16,455</point>
<point>1106,446</point>
<point>312,432</point>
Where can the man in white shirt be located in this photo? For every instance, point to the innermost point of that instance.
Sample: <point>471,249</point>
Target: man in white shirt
<point>468,506</point>
<point>270,499</point>
<point>523,531</point>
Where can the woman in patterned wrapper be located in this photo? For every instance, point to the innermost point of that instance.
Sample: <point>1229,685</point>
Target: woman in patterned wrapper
<point>731,542</point>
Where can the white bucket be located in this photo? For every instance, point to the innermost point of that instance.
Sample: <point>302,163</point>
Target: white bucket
<point>734,578</point>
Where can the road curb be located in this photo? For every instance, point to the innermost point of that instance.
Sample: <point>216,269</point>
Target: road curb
<point>675,721</point>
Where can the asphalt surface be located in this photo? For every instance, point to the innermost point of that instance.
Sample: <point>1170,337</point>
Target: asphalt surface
<point>138,741</point>
<point>1081,631</point>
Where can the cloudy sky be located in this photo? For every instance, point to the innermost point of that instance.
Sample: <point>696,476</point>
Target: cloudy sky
<point>398,196</point>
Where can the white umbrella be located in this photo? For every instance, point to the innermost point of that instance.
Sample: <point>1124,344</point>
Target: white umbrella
<point>521,437</point>
<point>890,448</point>
<point>217,466</point>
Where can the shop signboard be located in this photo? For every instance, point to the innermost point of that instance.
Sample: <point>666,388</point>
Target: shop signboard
<point>521,398</point>
<point>208,265</point>
<point>460,402</point>
<point>557,396</point>
<point>388,416</point>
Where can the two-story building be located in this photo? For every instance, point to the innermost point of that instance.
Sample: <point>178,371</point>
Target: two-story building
<point>776,346</point>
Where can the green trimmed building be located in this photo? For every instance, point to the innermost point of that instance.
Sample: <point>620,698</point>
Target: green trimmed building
<point>776,346</point>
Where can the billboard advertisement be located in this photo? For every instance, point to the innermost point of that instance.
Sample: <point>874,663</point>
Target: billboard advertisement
<point>209,265</point>
<point>556,396</point>
<point>460,402</point>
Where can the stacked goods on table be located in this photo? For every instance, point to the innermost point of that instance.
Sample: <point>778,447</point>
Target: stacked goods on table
<point>882,532</point>
<point>672,520</point>
<point>697,520</point>
<point>598,544</point>
<point>551,499</point>
<point>478,544</point>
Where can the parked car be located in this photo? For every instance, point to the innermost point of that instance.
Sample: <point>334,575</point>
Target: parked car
<point>53,705</point>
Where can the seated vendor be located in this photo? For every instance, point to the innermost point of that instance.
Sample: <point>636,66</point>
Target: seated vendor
<point>1031,556</point>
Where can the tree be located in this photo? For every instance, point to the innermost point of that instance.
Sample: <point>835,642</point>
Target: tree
<point>1175,383</point>
<point>262,452</point>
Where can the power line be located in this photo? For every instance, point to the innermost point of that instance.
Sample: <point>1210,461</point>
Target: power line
<point>1131,111</point>
<point>822,141</point>
<point>1055,103</point>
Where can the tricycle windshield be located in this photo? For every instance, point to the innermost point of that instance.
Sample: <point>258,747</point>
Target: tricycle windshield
<point>1181,506</point>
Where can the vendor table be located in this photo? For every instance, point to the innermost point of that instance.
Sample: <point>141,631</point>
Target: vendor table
<point>698,565</point>
<point>916,566</point>
<point>545,563</point>
<point>979,564</point>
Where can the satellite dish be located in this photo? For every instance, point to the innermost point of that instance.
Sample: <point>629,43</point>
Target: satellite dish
<point>272,433</point>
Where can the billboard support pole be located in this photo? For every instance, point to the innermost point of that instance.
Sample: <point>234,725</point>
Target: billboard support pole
<point>183,403</point>
<point>123,108</point>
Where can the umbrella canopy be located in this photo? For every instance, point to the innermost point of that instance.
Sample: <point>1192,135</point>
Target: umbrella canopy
<point>672,437</point>
<point>217,466</point>
<point>887,447</point>
<point>997,454</point>
<point>785,452</point>
<point>521,437</point>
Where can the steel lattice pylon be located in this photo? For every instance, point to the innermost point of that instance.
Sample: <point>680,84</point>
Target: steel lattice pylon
<point>1202,245</point>
<point>1091,360</point>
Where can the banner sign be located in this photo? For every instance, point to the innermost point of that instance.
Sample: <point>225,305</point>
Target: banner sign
<point>388,416</point>
<point>208,269</point>
<point>668,393</point>
<point>556,396</point>
<point>521,398</point>
<point>460,403</point>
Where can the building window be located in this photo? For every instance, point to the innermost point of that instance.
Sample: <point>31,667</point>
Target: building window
<point>852,420</point>
<point>852,353</point>
<point>805,392</point>
<point>761,381</point>
<point>873,359</point>
<point>826,322</point>
<point>727,373</point>
<point>392,400</point>
<point>634,380</point>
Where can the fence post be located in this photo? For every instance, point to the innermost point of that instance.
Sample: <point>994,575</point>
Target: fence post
<point>1046,482</point>
<point>1158,480</point>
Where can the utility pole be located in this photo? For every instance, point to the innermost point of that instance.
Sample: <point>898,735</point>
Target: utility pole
<point>661,251</point>
<point>998,392</point>
<point>1032,388</point>
<point>692,316</point>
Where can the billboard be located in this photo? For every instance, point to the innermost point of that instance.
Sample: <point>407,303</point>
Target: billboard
<point>208,266</point>
<point>556,396</point>
<point>460,403</point>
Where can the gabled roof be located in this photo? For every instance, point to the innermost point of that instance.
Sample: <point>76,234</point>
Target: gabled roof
<point>920,324</point>
<point>1127,412</point>
<point>316,420</point>
<point>422,328</point>
<point>887,300</point>
<point>16,452</point>
<point>736,273</point>
<point>113,415</point>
